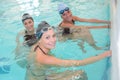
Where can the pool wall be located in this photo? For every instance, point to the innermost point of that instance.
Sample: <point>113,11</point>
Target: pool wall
<point>115,39</point>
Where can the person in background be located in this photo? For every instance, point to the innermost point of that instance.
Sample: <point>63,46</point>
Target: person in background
<point>68,19</point>
<point>39,59</point>
<point>27,34</point>
<point>68,30</point>
<point>29,31</point>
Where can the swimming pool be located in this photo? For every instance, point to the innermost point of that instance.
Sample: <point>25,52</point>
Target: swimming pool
<point>10,19</point>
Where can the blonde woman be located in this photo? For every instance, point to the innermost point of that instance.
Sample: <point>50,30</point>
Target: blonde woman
<point>39,60</point>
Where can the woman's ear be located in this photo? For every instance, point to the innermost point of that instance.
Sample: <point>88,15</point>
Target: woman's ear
<point>39,41</point>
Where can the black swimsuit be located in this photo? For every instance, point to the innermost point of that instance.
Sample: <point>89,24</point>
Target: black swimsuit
<point>30,39</point>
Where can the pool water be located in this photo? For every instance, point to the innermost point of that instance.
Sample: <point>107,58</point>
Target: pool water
<point>10,19</point>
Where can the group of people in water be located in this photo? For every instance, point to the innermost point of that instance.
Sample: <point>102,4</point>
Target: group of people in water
<point>42,39</point>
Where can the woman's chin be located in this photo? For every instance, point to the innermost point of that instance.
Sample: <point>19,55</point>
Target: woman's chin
<point>51,47</point>
<point>70,19</point>
<point>31,30</point>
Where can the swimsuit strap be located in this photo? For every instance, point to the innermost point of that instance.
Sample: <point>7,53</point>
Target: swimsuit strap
<point>40,49</point>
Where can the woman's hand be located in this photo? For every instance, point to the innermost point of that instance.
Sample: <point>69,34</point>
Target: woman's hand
<point>107,53</point>
<point>108,22</point>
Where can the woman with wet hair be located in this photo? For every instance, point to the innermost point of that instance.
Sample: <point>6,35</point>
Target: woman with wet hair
<point>39,60</point>
<point>28,38</point>
<point>72,31</point>
<point>29,31</point>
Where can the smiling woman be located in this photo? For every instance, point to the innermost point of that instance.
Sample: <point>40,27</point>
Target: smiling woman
<point>42,10</point>
<point>39,60</point>
<point>27,35</point>
<point>68,23</point>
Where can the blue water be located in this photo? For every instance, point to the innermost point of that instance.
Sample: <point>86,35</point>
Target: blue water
<point>10,19</point>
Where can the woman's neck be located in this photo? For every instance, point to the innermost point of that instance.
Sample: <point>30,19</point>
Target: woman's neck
<point>70,22</point>
<point>44,49</point>
<point>31,32</point>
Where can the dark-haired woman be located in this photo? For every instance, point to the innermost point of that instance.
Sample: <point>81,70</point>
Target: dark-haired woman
<point>23,38</point>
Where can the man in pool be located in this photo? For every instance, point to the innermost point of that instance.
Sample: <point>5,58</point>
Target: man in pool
<point>39,59</point>
<point>70,31</point>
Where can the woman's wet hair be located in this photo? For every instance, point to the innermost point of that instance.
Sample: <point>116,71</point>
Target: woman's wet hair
<point>40,27</point>
<point>26,16</point>
<point>32,39</point>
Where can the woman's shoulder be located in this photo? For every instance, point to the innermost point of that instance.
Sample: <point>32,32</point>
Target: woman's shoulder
<point>20,34</point>
<point>60,24</point>
<point>63,24</point>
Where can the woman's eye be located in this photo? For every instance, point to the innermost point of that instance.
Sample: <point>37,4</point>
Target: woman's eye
<point>54,35</point>
<point>68,11</point>
<point>47,37</point>
<point>30,22</point>
<point>63,14</point>
<point>25,23</point>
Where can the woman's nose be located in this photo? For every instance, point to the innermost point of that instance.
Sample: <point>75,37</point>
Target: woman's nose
<point>67,14</point>
<point>53,39</point>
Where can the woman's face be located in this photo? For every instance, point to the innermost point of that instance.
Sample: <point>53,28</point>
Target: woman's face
<point>67,15</point>
<point>48,39</point>
<point>29,24</point>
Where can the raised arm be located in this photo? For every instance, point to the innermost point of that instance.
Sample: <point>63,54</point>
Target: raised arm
<point>53,61</point>
<point>90,20</point>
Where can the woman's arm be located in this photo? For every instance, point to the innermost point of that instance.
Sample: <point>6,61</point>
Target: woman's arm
<point>18,43</point>
<point>79,27</point>
<point>20,34</point>
<point>52,61</point>
<point>90,20</point>
<point>18,51</point>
